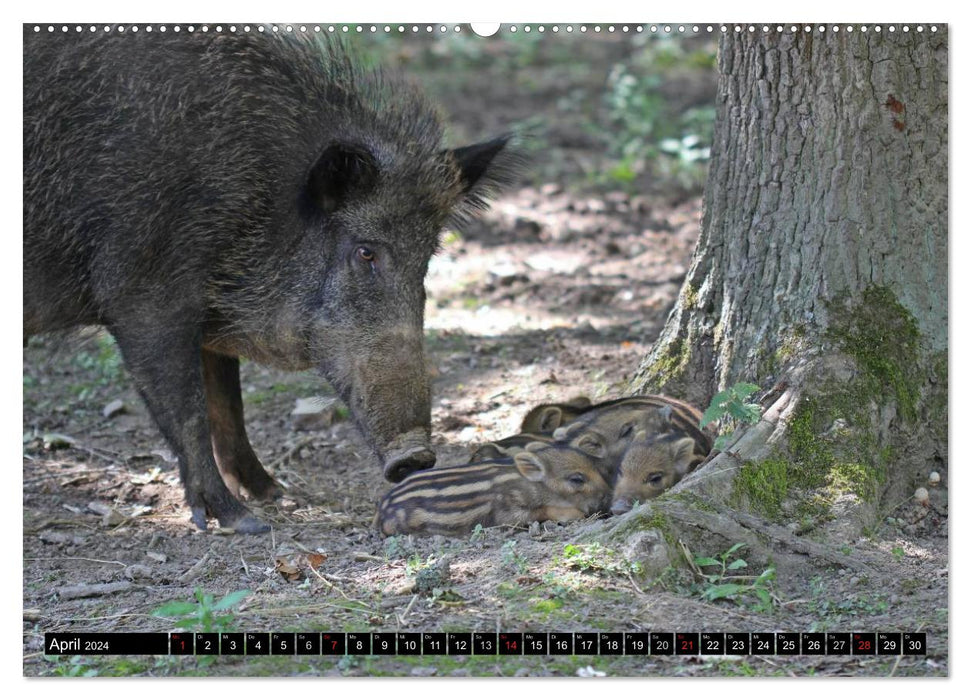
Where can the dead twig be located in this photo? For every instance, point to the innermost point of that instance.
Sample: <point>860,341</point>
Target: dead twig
<point>403,616</point>
<point>195,569</point>
<point>293,450</point>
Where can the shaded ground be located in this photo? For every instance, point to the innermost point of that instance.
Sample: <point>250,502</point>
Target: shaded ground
<point>559,290</point>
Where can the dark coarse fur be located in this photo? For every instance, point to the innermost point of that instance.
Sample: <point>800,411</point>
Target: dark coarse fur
<point>222,195</point>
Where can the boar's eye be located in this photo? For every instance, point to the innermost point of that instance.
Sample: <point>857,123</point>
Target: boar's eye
<point>654,479</point>
<point>626,430</point>
<point>577,479</point>
<point>365,254</point>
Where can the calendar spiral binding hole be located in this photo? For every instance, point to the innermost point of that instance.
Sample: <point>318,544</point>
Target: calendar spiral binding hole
<point>554,29</point>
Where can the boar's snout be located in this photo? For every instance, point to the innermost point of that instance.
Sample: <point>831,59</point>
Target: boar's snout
<point>407,453</point>
<point>390,396</point>
<point>404,462</point>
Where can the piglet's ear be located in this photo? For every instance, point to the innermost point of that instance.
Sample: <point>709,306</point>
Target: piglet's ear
<point>530,465</point>
<point>683,454</point>
<point>341,171</point>
<point>550,419</point>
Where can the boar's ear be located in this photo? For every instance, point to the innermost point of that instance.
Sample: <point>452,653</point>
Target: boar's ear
<point>341,170</point>
<point>484,169</point>
<point>474,160</point>
<point>530,465</point>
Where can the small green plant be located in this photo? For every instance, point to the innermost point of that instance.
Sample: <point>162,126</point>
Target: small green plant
<point>898,553</point>
<point>398,547</point>
<point>514,559</point>
<point>596,557</point>
<point>635,108</point>
<point>104,360</point>
<point>478,532</point>
<point>201,615</point>
<point>721,584</point>
<point>415,564</point>
<point>74,667</point>
<point>732,408</point>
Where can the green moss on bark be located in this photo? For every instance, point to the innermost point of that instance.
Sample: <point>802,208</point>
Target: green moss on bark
<point>883,338</point>
<point>834,448</point>
<point>664,369</point>
<point>765,485</point>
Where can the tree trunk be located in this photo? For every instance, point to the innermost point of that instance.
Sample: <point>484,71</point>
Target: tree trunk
<point>821,276</point>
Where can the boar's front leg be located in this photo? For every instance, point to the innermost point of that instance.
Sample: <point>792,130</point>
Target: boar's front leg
<point>165,363</point>
<point>237,462</point>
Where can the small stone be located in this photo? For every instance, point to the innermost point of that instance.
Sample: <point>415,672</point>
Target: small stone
<point>314,413</point>
<point>424,671</point>
<point>112,519</point>
<point>114,408</point>
<point>934,478</point>
<point>157,556</point>
<point>590,672</point>
<point>403,588</point>
<point>99,508</point>
<point>138,571</point>
<point>922,496</point>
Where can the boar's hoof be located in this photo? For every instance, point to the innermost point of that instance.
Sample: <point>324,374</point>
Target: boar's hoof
<point>249,525</point>
<point>621,506</point>
<point>244,524</point>
<point>199,518</point>
<point>264,491</point>
<point>400,466</point>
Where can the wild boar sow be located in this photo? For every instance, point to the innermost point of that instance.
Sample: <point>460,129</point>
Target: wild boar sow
<point>206,197</point>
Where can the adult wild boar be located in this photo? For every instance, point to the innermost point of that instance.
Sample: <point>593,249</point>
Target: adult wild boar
<point>208,196</point>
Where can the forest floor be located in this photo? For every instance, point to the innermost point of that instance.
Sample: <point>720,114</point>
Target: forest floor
<point>557,291</point>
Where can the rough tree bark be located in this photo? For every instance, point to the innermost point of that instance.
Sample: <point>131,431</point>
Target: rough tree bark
<point>821,276</point>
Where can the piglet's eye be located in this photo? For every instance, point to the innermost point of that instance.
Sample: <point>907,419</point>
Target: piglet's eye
<point>365,254</point>
<point>577,479</point>
<point>655,479</point>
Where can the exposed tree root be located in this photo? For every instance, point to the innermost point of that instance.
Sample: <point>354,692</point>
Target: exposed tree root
<point>697,512</point>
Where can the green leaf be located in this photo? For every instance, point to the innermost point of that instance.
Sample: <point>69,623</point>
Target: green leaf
<point>737,564</point>
<point>750,412</point>
<point>743,390</point>
<point>174,609</point>
<point>720,442</point>
<point>767,575</point>
<point>734,548</point>
<point>716,409</point>
<point>231,600</point>
<point>707,561</point>
<point>724,590</point>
